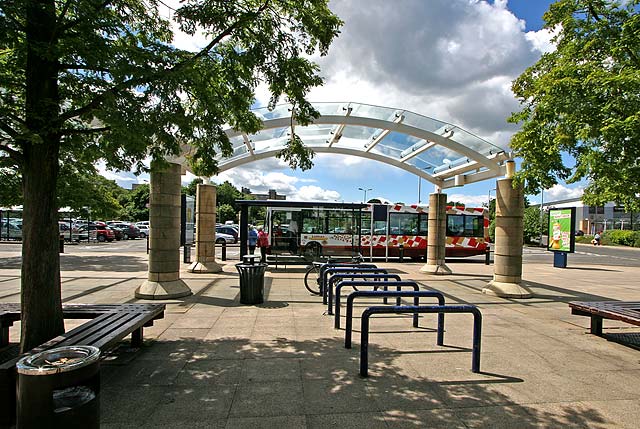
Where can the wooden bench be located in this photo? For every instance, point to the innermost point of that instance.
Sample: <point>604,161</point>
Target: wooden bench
<point>624,311</point>
<point>108,325</point>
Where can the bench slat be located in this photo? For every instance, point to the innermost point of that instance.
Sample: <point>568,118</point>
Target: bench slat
<point>624,311</point>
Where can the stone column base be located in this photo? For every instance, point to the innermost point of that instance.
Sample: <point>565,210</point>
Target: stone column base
<point>163,290</point>
<point>507,290</point>
<point>441,269</point>
<point>204,267</point>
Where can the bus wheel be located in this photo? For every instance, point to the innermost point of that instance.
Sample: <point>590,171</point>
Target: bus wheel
<point>416,258</point>
<point>313,250</point>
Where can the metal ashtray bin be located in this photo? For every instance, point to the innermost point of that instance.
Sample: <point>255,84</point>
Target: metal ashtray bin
<point>59,388</point>
<point>251,283</point>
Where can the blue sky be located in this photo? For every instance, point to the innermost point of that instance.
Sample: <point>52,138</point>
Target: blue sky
<point>452,60</point>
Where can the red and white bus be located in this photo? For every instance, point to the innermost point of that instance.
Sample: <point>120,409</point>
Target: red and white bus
<point>377,230</point>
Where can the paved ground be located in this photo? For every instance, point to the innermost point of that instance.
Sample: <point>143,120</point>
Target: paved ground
<point>212,362</point>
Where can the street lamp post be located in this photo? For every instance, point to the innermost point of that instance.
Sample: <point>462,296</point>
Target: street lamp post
<point>365,193</point>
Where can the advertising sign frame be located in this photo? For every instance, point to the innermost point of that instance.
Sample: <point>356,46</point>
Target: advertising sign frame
<point>561,225</point>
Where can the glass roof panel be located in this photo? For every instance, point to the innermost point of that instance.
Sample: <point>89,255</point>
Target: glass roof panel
<point>361,133</point>
<point>396,145</point>
<point>398,141</point>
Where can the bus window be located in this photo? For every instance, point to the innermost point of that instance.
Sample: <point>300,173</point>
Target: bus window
<point>455,225</point>
<point>339,222</point>
<point>474,226</point>
<point>312,221</point>
<point>379,227</point>
<point>424,225</point>
<point>465,226</point>
<point>365,223</point>
<point>403,223</point>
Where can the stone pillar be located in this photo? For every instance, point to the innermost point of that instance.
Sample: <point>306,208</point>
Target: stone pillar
<point>507,271</point>
<point>437,235</point>
<point>205,231</point>
<point>164,280</point>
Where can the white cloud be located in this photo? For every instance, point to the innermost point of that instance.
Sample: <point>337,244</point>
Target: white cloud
<point>469,200</point>
<point>453,60</point>
<point>315,193</point>
<point>559,192</point>
<point>541,40</point>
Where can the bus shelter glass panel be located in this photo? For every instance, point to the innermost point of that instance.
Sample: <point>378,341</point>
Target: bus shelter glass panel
<point>339,222</point>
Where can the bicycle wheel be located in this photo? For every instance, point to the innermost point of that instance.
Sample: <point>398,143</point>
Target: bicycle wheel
<point>312,279</point>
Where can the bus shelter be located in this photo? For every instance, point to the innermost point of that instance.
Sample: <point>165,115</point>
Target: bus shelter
<point>439,152</point>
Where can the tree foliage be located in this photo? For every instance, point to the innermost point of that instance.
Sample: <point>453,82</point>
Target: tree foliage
<point>192,187</point>
<point>225,212</point>
<point>136,204</point>
<point>583,100</point>
<point>532,224</point>
<point>85,80</point>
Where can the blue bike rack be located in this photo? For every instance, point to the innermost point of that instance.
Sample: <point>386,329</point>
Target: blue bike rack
<point>335,270</point>
<point>415,294</point>
<point>379,281</point>
<point>368,273</point>
<point>325,267</point>
<point>398,283</point>
<point>366,315</point>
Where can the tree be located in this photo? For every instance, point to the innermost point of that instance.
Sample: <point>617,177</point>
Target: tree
<point>78,190</point>
<point>90,79</point>
<point>226,193</point>
<point>226,212</point>
<point>192,187</point>
<point>582,100</point>
<point>136,206</point>
<point>532,224</point>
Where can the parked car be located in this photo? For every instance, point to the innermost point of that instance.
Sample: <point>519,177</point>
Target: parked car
<point>98,231</point>
<point>224,238</point>
<point>227,229</point>
<point>143,230</point>
<point>117,232</point>
<point>129,230</point>
<point>9,230</point>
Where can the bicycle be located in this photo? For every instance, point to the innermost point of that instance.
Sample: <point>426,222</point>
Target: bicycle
<point>312,278</point>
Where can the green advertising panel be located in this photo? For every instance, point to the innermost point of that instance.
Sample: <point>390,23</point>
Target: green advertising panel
<point>561,230</point>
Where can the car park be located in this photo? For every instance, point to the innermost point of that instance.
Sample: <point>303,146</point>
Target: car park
<point>143,230</point>
<point>224,238</point>
<point>97,231</point>
<point>228,229</point>
<point>129,230</point>
<point>117,232</point>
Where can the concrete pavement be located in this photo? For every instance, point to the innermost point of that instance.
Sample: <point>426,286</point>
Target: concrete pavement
<point>212,362</point>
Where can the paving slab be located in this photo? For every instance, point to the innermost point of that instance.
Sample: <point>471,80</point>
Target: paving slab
<point>212,362</point>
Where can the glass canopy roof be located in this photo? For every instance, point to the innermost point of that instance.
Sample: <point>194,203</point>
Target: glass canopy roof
<point>441,153</point>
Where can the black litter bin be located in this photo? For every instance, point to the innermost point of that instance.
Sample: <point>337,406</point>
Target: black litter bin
<point>251,283</point>
<point>59,388</point>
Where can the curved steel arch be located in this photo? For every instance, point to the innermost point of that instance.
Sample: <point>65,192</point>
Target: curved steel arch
<point>418,145</point>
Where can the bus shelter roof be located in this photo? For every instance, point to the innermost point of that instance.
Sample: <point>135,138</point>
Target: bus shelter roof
<point>437,151</point>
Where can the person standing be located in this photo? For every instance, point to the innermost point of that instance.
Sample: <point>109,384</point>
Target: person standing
<point>597,238</point>
<point>263,243</point>
<point>252,239</point>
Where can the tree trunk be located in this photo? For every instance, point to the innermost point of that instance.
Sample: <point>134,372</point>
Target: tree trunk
<point>41,295</point>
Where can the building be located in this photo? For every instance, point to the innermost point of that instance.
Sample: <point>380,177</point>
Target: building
<point>591,219</point>
<point>272,195</point>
